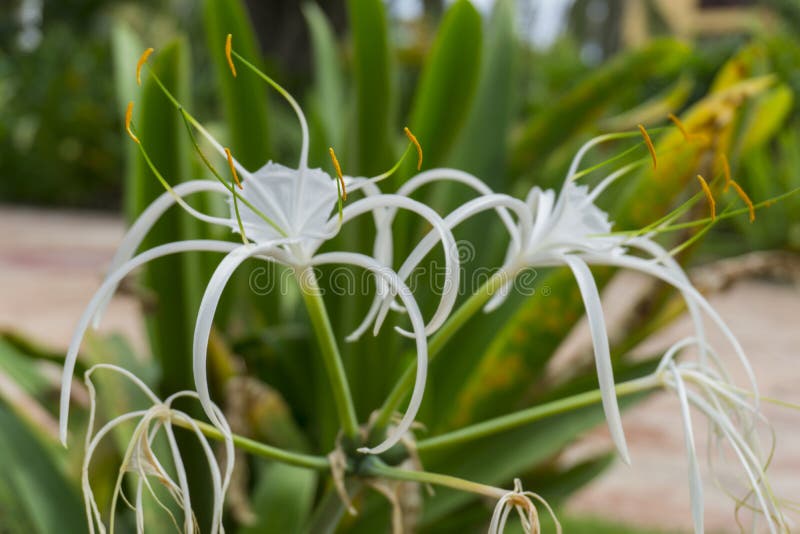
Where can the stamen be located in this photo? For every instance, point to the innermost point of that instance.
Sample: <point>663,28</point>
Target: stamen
<point>338,172</point>
<point>649,144</point>
<point>745,198</point>
<point>711,202</point>
<point>228,47</point>
<point>413,139</point>
<point>679,125</point>
<point>726,168</point>
<point>128,115</point>
<point>233,169</point>
<point>140,64</point>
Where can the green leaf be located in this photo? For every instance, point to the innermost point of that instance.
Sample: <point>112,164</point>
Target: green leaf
<point>244,97</point>
<point>584,104</point>
<point>447,86</point>
<point>41,499</point>
<point>766,116</point>
<point>328,95</point>
<point>373,87</point>
<point>481,147</point>
<point>282,498</point>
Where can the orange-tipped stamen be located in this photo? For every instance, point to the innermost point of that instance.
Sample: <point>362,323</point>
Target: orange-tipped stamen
<point>233,169</point>
<point>712,204</point>
<point>726,169</point>
<point>128,116</point>
<point>140,64</point>
<point>745,199</point>
<point>228,46</point>
<point>678,124</point>
<point>338,172</point>
<point>413,139</point>
<point>649,143</point>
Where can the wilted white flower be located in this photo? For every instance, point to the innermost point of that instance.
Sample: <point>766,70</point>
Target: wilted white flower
<point>141,461</point>
<point>522,502</point>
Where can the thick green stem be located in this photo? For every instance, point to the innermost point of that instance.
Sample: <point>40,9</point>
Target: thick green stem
<point>330,352</point>
<point>260,449</point>
<point>524,417</point>
<point>463,314</point>
<point>379,469</point>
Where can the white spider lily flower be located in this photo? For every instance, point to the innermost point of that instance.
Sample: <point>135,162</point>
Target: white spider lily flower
<point>733,421</point>
<point>285,216</point>
<point>522,502</point>
<point>140,459</point>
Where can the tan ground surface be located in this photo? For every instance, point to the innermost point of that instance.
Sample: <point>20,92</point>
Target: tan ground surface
<point>50,264</point>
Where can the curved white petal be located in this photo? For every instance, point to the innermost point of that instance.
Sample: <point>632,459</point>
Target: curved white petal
<point>138,231</point>
<point>452,274</point>
<point>108,285</point>
<point>602,354</point>
<point>576,160</point>
<point>658,272</point>
<point>456,217</point>
<point>695,481</point>
<point>417,323</point>
<point>205,317</point>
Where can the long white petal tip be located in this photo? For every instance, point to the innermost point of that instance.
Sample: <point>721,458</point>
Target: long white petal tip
<point>352,338</point>
<point>624,455</point>
<point>365,450</point>
<point>405,333</point>
<point>62,437</point>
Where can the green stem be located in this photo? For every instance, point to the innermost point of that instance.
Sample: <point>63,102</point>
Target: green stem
<point>330,351</point>
<point>524,417</point>
<point>260,449</point>
<point>379,469</point>
<point>463,314</point>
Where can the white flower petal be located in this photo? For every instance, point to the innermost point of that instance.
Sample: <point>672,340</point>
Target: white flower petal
<point>138,231</point>
<point>414,315</point>
<point>108,285</point>
<point>695,481</point>
<point>605,371</point>
<point>205,318</point>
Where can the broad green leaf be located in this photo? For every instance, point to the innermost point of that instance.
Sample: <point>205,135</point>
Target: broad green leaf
<point>328,94</point>
<point>584,104</point>
<point>126,48</point>
<point>444,95</point>
<point>482,144</point>
<point>372,74</point>
<point>244,97</point>
<point>766,116</point>
<point>41,499</point>
<point>282,498</point>
<point>654,109</point>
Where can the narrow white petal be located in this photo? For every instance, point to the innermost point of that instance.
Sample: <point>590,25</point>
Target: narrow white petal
<point>695,481</point>
<point>108,285</point>
<point>205,317</point>
<point>138,231</point>
<point>658,272</point>
<point>576,160</point>
<point>417,323</point>
<point>177,459</point>
<point>605,371</point>
<point>452,270</point>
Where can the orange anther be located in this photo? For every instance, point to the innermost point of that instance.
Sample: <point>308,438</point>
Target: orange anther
<point>413,139</point>
<point>338,172</point>
<point>746,199</point>
<point>649,144</point>
<point>228,46</point>
<point>233,169</point>
<point>679,125</point>
<point>140,64</point>
<point>726,168</point>
<point>711,202</point>
<point>128,116</point>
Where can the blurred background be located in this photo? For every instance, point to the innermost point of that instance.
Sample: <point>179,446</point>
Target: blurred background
<point>558,73</point>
